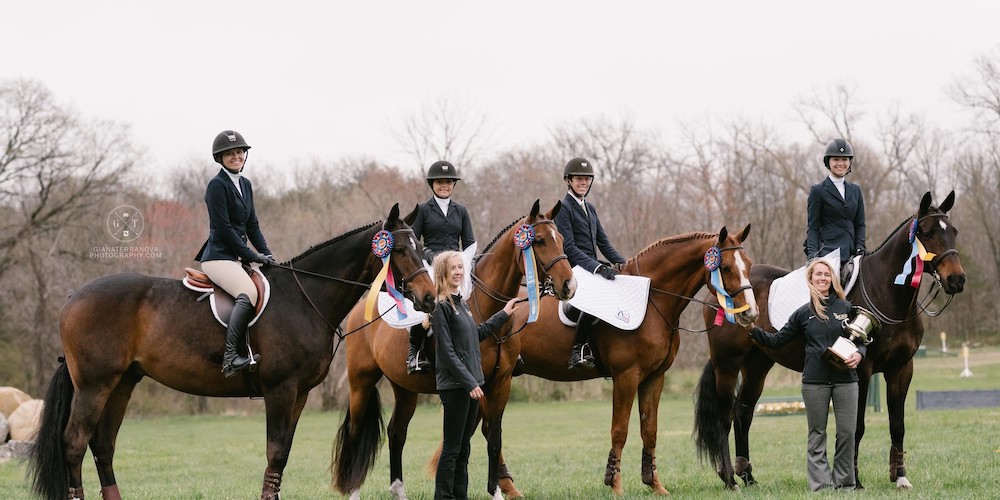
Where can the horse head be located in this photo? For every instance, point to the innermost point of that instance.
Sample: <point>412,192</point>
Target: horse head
<point>417,283</point>
<point>938,234</point>
<point>548,248</point>
<point>734,273</point>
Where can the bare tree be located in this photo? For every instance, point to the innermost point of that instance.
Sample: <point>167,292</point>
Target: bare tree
<point>445,129</point>
<point>53,164</point>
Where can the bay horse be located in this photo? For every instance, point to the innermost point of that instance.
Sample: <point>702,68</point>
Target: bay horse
<point>378,350</point>
<point>734,354</point>
<point>117,329</point>
<point>637,360</point>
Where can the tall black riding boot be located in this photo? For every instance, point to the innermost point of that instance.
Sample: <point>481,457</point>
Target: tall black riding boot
<point>416,361</point>
<point>582,356</point>
<point>243,312</point>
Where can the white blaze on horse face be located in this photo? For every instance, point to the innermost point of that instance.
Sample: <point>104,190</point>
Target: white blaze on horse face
<point>413,242</point>
<point>744,272</point>
<point>943,224</point>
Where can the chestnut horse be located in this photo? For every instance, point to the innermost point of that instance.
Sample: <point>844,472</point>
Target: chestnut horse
<point>891,352</point>
<point>377,349</point>
<point>118,329</point>
<point>637,360</point>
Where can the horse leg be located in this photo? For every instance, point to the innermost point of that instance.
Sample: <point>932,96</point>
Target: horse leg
<point>897,382</point>
<point>625,386</point>
<point>649,403</point>
<point>102,444</point>
<point>864,381</point>
<point>754,374</point>
<point>498,478</point>
<point>88,406</point>
<point>283,407</point>
<point>402,413</point>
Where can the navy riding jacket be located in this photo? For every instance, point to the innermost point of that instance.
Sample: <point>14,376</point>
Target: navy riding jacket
<point>232,222</point>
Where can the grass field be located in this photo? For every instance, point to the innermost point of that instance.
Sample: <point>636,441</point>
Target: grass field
<point>558,450</point>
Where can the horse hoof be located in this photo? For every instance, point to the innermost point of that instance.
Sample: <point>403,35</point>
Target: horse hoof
<point>903,484</point>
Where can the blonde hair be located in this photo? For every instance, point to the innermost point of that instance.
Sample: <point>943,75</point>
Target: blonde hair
<point>814,293</point>
<point>439,269</point>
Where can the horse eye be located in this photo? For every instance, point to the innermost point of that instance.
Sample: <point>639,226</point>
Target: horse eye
<point>539,242</point>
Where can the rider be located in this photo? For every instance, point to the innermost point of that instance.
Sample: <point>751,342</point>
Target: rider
<point>836,209</point>
<point>232,224</point>
<point>443,225</point>
<point>582,236</point>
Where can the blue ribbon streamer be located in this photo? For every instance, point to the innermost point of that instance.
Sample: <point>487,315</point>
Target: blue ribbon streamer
<point>532,283</point>
<point>907,266</point>
<point>716,277</point>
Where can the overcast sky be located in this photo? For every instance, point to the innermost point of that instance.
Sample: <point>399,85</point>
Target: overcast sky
<point>325,80</point>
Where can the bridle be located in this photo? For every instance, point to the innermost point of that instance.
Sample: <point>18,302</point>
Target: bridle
<point>921,305</point>
<point>738,291</point>
<point>401,286</point>
<point>499,297</point>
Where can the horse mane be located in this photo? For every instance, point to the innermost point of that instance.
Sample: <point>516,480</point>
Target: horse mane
<point>673,239</point>
<point>316,248</point>
<point>497,237</point>
<point>894,231</point>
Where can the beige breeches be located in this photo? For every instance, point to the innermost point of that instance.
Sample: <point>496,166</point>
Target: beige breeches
<point>229,274</point>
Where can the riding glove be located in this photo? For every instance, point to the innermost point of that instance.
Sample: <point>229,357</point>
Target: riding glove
<point>606,272</point>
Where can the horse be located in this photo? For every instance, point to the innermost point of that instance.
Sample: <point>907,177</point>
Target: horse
<point>377,349</point>
<point>734,354</point>
<point>637,360</point>
<point>117,329</point>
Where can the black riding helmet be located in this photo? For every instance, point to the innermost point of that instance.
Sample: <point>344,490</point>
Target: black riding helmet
<point>578,166</point>
<point>442,169</point>
<point>225,141</point>
<point>838,148</point>
<point>581,167</point>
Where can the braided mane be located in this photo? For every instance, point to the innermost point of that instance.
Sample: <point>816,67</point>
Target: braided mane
<point>316,248</point>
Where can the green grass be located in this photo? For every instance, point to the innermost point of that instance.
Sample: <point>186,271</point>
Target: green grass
<point>559,450</point>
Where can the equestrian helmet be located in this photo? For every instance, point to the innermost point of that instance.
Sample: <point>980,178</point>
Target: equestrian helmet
<point>225,141</point>
<point>442,169</point>
<point>578,166</point>
<point>837,148</point>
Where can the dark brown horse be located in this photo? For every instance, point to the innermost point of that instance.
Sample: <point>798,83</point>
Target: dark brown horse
<point>891,352</point>
<point>637,360</point>
<point>378,350</point>
<point>118,329</point>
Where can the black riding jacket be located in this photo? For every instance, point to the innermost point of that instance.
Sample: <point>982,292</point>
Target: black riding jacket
<point>458,360</point>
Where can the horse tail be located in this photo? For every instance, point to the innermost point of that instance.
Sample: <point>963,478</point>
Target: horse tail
<point>431,466</point>
<point>709,434</point>
<point>354,457</point>
<point>47,461</point>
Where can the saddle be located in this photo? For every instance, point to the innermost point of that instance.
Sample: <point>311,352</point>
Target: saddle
<point>221,301</point>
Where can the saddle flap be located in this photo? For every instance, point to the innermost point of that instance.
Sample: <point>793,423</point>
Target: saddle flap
<point>221,301</point>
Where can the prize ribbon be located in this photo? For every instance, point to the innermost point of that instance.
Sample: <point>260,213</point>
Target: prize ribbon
<point>524,236</point>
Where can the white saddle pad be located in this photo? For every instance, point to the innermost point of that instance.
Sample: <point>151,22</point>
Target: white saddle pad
<point>620,302</point>
<point>386,306</point>
<point>791,291</point>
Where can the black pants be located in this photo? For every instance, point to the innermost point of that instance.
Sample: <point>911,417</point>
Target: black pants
<point>460,412</point>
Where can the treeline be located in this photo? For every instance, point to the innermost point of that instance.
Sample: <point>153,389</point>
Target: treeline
<point>63,175</point>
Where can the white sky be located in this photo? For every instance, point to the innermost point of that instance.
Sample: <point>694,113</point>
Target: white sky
<point>324,80</point>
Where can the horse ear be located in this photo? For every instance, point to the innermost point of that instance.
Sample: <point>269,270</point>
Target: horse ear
<point>925,203</point>
<point>555,211</point>
<point>534,210</point>
<point>948,202</point>
<point>412,216</point>
<point>723,234</point>
<point>393,216</point>
<point>744,234</point>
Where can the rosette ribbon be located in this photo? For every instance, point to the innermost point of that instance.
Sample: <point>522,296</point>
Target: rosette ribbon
<point>913,268</point>
<point>382,245</point>
<point>713,257</point>
<point>524,236</point>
